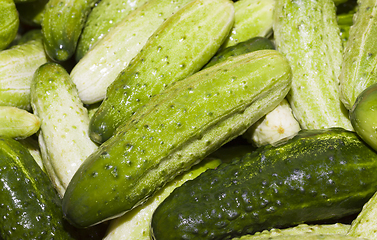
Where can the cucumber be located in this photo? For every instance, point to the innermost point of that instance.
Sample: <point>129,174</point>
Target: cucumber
<point>63,138</point>
<point>306,32</point>
<point>9,22</point>
<point>252,18</point>
<point>135,224</point>
<point>204,111</point>
<point>182,45</point>
<point>250,45</point>
<point>17,123</point>
<point>62,23</point>
<point>359,54</point>
<point>33,146</point>
<point>306,236</point>
<point>317,175</point>
<point>31,13</point>
<point>99,24</point>
<point>17,66</point>
<point>101,65</point>
<point>31,208</point>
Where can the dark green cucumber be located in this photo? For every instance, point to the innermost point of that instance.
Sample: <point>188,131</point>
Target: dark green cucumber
<point>253,44</point>
<point>316,175</point>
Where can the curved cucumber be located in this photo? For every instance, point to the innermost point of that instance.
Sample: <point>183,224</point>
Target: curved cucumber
<point>308,35</point>
<point>315,176</point>
<point>203,111</point>
<point>9,22</point>
<point>182,45</point>
<point>105,15</point>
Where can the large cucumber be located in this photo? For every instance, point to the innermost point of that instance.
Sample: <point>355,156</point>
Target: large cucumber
<point>183,44</point>
<point>105,15</point>
<point>9,22</point>
<point>315,176</point>
<point>175,130</point>
<point>64,138</point>
<point>306,32</point>
<point>358,70</point>
<point>102,64</point>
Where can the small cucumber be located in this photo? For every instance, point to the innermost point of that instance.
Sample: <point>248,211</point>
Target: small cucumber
<point>204,111</point>
<point>306,32</point>
<point>317,175</point>
<point>17,66</point>
<point>105,15</point>
<point>62,23</point>
<point>358,70</point>
<point>136,223</point>
<point>252,18</point>
<point>182,45</point>
<point>17,123</point>
<point>9,22</point>
<point>64,138</point>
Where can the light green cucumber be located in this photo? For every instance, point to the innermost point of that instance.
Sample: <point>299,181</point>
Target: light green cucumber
<point>252,18</point>
<point>17,123</point>
<point>306,236</point>
<point>306,32</point>
<point>358,70</point>
<point>175,130</point>
<point>63,138</point>
<point>183,44</point>
<point>9,22</point>
<point>17,66</point>
<point>62,24</point>
<point>102,64</point>
<point>136,223</point>
<point>105,15</point>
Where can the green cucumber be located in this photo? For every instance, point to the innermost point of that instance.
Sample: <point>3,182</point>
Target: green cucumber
<point>17,66</point>
<point>105,15</point>
<point>306,236</point>
<point>30,206</point>
<point>136,223</point>
<point>101,65</point>
<point>9,22</point>
<point>306,32</point>
<point>183,44</point>
<point>172,132</point>
<point>17,123</point>
<point>62,23</point>
<point>63,138</point>
<point>31,13</point>
<point>315,176</point>
<point>358,70</point>
<point>252,18</point>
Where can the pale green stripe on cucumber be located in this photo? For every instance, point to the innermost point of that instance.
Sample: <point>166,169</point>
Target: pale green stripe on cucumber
<point>102,64</point>
<point>17,66</point>
<point>182,45</point>
<point>306,32</point>
<point>175,130</point>
<point>358,70</point>
<point>63,138</point>
<point>105,15</point>
<point>9,22</point>
<point>253,18</point>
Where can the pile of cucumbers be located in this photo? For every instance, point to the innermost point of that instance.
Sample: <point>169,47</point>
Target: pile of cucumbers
<point>135,119</point>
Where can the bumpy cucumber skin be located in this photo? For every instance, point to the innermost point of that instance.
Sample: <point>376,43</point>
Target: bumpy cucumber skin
<point>105,15</point>
<point>65,123</point>
<point>62,24</point>
<point>250,45</point>
<point>175,130</point>
<point>306,32</point>
<point>317,175</point>
<point>9,22</point>
<point>17,66</point>
<point>30,207</point>
<point>183,44</point>
<point>358,70</point>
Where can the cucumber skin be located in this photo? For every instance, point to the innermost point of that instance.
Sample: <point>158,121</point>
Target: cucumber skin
<point>9,22</point>
<point>203,111</point>
<point>306,32</point>
<point>182,45</point>
<point>316,175</point>
<point>62,24</point>
<point>30,207</point>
